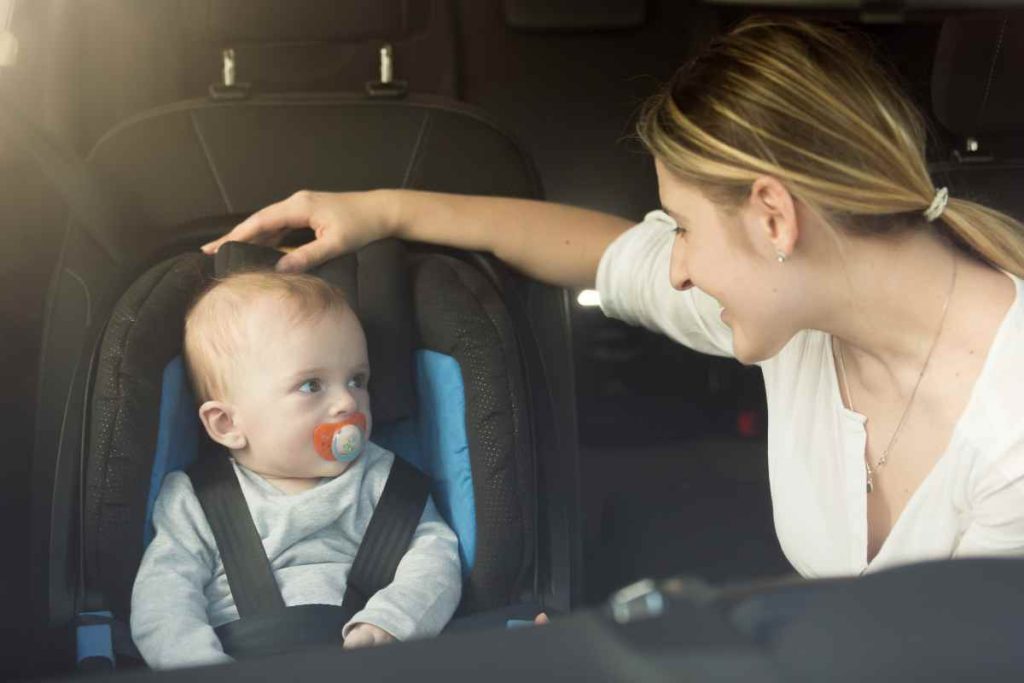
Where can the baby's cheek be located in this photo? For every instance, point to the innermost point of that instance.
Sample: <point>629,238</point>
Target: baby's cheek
<point>365,409</point>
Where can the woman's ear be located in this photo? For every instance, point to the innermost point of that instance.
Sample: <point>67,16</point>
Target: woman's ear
<point>219,420</point>
<point>775,214</point>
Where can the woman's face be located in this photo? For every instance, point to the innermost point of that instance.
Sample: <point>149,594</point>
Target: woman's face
<point>733,256</point>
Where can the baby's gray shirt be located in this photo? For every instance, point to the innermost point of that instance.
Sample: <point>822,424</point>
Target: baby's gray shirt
<point>181,592</point>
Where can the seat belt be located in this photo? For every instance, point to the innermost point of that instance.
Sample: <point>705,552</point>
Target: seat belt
<point>246,565</point>
<point>388,535</point>
<point>266,625</point>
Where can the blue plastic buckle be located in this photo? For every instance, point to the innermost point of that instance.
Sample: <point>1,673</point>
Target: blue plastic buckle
<point>94,641</point>
<point>518,623</point>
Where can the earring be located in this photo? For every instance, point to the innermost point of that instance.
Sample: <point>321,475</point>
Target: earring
<point>780,256</point>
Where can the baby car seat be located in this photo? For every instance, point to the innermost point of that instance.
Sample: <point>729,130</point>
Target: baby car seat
<point>471,362</point>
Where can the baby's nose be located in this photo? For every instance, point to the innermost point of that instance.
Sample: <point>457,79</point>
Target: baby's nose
<point>343,403</point>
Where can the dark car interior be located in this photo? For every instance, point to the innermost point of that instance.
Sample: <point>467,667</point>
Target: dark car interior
<point>132,132</point>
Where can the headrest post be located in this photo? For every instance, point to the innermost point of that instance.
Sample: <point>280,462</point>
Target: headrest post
<point>387,74</point>
<point>387,86</point>
<point>228,57</point>
<point>229,88</point>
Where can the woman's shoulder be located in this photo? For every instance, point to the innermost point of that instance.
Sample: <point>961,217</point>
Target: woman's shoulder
<point>989,437</point>
<point>998,393</point>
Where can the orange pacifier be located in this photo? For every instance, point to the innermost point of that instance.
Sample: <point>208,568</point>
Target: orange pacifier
<point>341,441</point>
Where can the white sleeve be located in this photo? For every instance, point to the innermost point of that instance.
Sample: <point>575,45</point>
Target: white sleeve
<point>427,585</point>
<point>169,622</point>
<point>633,281</point>
<point>997,509</point>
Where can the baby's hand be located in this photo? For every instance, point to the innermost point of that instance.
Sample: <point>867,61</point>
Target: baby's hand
<point>363,635</point>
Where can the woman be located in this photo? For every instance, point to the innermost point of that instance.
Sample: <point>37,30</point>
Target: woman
<point>808,239</point>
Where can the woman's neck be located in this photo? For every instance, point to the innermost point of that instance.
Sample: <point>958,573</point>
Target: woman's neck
<point>889,299</point>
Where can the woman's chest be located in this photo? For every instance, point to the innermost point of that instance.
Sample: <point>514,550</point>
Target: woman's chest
<point>826,521</point>
<point>904,443</point>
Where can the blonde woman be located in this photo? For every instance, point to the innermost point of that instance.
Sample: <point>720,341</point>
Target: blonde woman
<point>801,232</point>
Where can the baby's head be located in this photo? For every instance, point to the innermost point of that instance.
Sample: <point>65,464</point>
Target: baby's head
<point>272,357</point>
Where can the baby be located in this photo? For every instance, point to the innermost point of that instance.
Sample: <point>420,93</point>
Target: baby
<point>274,360</point>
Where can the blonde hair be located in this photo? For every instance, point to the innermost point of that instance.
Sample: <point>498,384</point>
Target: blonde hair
<point>805,104</point>
<point>214,325</point>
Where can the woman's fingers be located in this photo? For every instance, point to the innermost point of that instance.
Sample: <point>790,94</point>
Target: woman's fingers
<point>269,238</point>
<point>308,255</point>
<point>269,224</point>
<point>319,211</point>
<point>541,618</point>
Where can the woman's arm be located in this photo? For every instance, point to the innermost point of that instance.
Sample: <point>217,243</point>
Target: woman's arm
<point>554,243</point>
<point>550,242</point>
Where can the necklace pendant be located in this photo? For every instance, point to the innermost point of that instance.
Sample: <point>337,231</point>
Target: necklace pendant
<point>869,486</point>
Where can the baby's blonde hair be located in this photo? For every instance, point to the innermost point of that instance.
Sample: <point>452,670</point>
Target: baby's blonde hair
<point>215,322</point>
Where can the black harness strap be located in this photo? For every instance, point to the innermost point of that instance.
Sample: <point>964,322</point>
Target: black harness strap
<point>265,624</point>
<point>388,535</point>
<point>245,561</point>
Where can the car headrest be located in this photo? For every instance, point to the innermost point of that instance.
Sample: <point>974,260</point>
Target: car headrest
<point>977,71</point>
<point>375,281</point>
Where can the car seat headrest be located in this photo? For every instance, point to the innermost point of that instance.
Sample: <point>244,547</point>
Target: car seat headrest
<point>976,74</point>
<point>375,280</point>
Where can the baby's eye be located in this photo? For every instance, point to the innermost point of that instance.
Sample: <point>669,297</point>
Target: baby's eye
<point>311,386</point>
<point>679,231</point>
<point>359,381</point>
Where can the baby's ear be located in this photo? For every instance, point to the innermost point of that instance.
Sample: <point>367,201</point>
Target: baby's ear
<point>218,418</point>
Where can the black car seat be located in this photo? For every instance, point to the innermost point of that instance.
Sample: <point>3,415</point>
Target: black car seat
<point>174,177</point>
<point>976,96</point>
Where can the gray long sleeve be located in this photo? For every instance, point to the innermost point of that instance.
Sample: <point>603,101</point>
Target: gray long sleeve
<point>311,538</point>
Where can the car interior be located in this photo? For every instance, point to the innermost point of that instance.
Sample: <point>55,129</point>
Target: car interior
<point>574,455</point>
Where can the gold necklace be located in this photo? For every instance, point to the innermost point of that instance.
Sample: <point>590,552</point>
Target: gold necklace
<point>903,418</point>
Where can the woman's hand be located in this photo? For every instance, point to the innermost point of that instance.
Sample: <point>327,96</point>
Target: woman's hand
<point>365,635</point>
<point>553,243</point>
<point>341,222</point>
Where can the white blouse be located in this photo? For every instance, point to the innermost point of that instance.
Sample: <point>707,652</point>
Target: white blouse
<point>971,503</point>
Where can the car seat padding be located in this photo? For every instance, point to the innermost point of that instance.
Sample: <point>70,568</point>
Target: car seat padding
<point>459,314</point>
